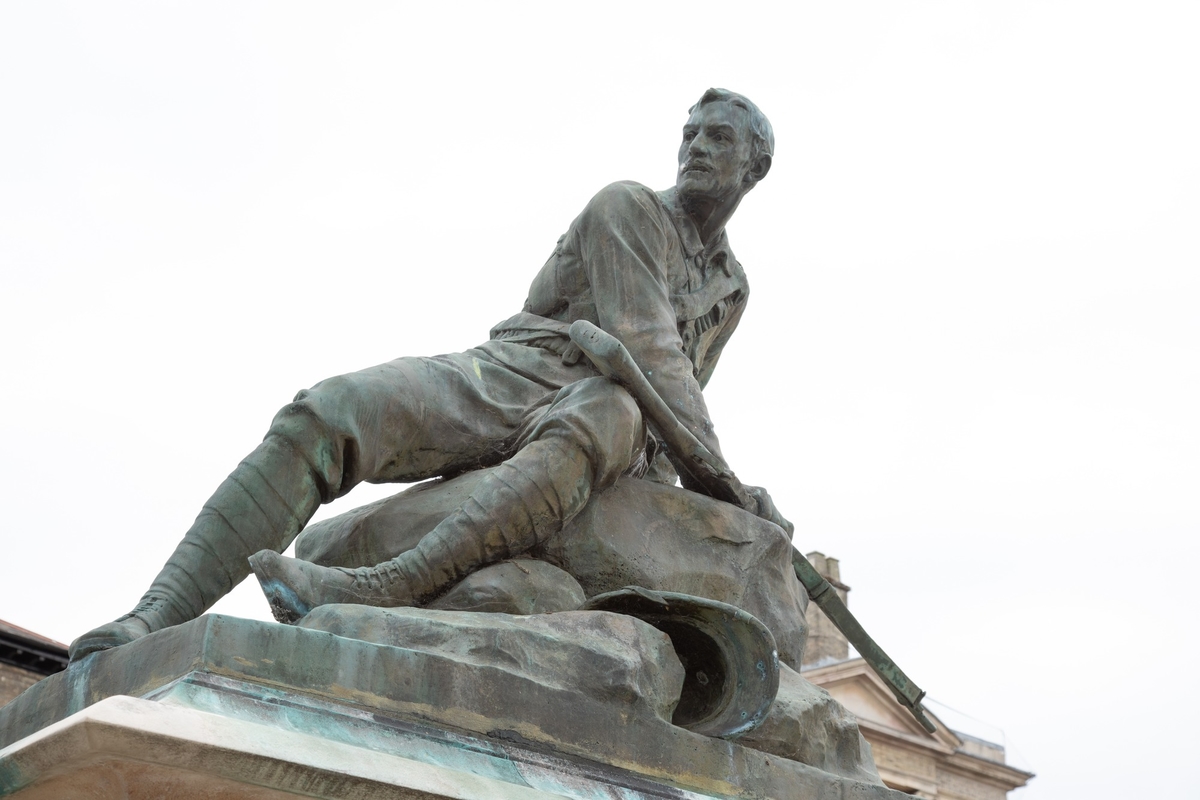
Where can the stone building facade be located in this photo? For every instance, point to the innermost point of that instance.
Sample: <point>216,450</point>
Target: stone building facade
<point>26,658</point>
<point>946,765</point>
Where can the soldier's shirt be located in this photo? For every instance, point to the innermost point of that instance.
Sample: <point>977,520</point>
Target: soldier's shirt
<point>633,263</point>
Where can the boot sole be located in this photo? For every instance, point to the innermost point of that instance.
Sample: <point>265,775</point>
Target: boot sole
<point>286,605</point>
<point>106,637</point>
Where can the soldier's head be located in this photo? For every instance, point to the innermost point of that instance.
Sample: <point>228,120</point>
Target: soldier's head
<point>727,146</point>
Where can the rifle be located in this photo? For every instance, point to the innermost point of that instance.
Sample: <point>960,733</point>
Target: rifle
<point>709,471</point>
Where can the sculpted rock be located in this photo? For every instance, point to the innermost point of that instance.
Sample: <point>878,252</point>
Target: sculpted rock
<point>519,586</point>
<point>807,725</point>
<point>667,539</point>
<point>644,534</point>
<point>375,532</point>
<point>610,658</point>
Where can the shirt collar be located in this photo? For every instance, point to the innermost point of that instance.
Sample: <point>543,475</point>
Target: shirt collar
<point>689,236</point>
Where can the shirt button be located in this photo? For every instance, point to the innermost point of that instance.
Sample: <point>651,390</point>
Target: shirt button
<point>699,261</point>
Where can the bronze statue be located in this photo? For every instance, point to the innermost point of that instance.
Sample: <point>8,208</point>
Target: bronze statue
<point>653,269</point>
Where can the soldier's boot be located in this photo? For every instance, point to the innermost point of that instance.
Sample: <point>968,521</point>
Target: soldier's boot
<point>517,506</point>
<point>264,502</point>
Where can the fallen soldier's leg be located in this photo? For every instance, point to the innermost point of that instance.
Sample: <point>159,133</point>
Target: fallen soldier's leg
<point>588,436</point>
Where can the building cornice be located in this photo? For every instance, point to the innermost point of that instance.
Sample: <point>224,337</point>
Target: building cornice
<point>29,651</point>
<point>944,747</point>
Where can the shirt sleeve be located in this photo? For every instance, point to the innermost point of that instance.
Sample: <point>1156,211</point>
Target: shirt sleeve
<point>624,241</point>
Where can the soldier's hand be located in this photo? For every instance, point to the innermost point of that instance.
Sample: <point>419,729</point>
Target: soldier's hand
<point>767,510</point>
<point>571,355</point>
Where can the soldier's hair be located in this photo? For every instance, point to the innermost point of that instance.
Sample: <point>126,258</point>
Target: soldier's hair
<point>760,126</point>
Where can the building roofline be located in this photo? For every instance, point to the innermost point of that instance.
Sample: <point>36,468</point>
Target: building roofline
<point>30,651</point>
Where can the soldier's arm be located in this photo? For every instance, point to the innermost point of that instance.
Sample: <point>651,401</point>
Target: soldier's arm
<point>623,240</point>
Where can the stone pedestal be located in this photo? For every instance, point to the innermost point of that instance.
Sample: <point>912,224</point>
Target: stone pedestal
<point>124,747</point>
<point>229,708</point>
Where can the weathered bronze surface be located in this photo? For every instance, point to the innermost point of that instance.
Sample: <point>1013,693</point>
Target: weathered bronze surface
<point>652,268</point>
<point>553,449</point>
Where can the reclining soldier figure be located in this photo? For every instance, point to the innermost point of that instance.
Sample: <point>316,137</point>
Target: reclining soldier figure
<point>653,269</point>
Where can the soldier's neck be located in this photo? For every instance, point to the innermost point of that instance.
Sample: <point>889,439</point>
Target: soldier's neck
<point>710,214</point>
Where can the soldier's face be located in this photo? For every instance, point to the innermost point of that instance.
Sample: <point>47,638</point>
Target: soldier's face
<point>714,157</point>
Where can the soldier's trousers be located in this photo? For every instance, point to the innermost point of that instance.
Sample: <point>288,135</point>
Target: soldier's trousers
<point>407,420</point>
<point>417,418</point>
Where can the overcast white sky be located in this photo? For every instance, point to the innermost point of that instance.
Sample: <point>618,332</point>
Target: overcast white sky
<point>969,368</point>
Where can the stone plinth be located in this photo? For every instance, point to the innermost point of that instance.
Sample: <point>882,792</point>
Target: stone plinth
<point>124,747</point>
<point>224,708</point>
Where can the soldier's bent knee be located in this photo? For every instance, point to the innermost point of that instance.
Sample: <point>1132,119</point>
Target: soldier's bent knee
<point>314,438</point>
<point>602,419</point>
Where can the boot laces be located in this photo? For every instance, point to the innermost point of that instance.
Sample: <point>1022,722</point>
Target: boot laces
<point>148,606</point>
<point>378,579</point>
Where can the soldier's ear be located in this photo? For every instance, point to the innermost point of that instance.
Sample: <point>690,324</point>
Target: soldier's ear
<point>759,169</point>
